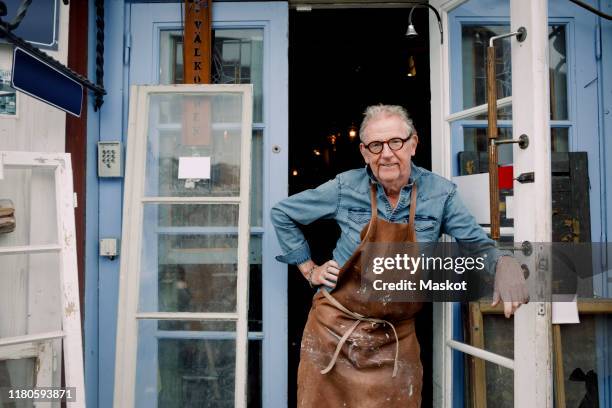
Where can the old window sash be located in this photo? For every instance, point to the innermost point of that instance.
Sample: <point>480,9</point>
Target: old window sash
<point>533,363</point>
<point>132,239</point>
<point>40,345</point>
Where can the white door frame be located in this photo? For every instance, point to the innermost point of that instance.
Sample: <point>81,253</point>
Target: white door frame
<point>532,323</point>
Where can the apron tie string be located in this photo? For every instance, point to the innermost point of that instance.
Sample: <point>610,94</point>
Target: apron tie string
<point>358,319</point>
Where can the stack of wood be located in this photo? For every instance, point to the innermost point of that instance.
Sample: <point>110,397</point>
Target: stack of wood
<point>7,216</point>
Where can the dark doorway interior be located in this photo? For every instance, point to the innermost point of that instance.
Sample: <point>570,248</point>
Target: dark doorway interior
<point>341,61</point>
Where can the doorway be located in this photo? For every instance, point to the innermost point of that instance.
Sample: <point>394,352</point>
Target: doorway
<point>340,62</point>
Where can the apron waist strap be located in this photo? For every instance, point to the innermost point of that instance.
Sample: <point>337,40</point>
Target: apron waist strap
<point>358,319</point>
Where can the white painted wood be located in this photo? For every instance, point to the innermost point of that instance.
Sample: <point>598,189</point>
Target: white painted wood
<point>530,113</point>
<point>187,316</point>
<point>30,249</point>
<point>71,311</point>
<point>37,126</point>
<point>132,240</point>
<point>42,351</point>
<point>48,310</point>
<point>482,354</point>
<point>243,252</point>
<point>194,200</point>
<point>31,338</point>
<point>478,110</point>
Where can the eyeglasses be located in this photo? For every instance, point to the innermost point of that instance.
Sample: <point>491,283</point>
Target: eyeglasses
<point>395,143</point>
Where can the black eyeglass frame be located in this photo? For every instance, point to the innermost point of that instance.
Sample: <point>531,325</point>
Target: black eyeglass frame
<point>388,143</point>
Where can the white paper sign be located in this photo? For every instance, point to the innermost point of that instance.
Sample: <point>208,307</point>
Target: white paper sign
<point>474,192</point>
<point>510,207</point>
<point>194,168</point>
<point>565,312</point>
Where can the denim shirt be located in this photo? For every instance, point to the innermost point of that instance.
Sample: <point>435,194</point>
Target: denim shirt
<point>346,199</point>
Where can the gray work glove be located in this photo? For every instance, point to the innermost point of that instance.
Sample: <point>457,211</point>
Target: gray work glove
<point>510,285</point>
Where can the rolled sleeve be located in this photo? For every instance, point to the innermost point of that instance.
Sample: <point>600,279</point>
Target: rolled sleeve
<point>302,209</point>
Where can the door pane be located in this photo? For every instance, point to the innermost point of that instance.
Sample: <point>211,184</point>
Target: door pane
<point>27,207</point>
<point>474,44</point>
<point>585,352</point>
<point>193,369</point>
<point>189,258</point>
<point>193,145</point>
<point>17,374</point>
<point>237,59</point>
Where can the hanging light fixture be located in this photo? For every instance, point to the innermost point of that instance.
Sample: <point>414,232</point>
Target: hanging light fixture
<point>412,31</point>
<point>352,132</point>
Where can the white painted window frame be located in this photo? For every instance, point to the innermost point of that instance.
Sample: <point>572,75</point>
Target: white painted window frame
<point>42,351</point>
<point>134,200</point>
<point>532,324</point>
<point>39,344</point>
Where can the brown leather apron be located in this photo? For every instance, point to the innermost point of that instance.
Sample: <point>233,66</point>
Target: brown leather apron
<point>358,353</point>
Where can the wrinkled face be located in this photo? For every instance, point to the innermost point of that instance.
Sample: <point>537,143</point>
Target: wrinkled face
<point>391,167</point>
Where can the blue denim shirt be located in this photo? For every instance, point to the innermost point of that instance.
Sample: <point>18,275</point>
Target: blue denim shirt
<point>346,199</point>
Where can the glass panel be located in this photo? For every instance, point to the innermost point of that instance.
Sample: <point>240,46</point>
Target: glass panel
<point>27,207</point>
<point>474,44</point>
<point>193,145</point>
<point>254,382</point>
<point>188,370</point>
<point>8,95</point>
<point>558,72</point>
<point>559,139</point>
<point>499,339</point>
<point>255,284</point>
<point>475,140</point>
<point>17,374</point>
<point>257,161</point>
<point>585,349</point>
<point>30,296</point>
<point>237,59</point>
<point>189,258</point>
<point>497,334</point>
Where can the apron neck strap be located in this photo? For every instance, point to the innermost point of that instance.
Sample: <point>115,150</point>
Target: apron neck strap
<point>413,196</point>
<point>373,200</point>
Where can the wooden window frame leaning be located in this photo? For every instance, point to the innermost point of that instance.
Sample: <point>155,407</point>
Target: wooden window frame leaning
<point>477,374</point>
<point>38,345</point>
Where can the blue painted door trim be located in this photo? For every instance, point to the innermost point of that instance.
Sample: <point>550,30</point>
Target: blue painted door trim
<point>104,196</point>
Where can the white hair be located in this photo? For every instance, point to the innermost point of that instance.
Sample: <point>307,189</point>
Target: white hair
<point>374,111</point>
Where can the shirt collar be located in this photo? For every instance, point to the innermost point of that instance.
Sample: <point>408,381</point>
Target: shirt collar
<point>415,173</point>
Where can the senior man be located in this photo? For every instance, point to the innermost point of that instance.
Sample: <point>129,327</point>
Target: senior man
<point>366,354</point>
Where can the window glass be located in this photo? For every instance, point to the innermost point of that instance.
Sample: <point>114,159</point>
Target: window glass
<point>474,44</point>
<point>237,59</point>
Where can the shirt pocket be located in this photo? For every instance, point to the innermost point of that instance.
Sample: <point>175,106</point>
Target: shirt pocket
<point>426,227</point>
<point>359,216</point>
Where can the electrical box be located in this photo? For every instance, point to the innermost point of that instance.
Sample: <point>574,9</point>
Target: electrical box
<point>110,163</point>
<point>109,247</point>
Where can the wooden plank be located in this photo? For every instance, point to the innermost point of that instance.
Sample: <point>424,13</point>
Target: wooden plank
<point>559,162</point>
<point>477,365</point>
<point>76,129</point>
<point>579,175</point>
<point>198,41</point>
<point>558,368</point>
<point>561,183</point>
